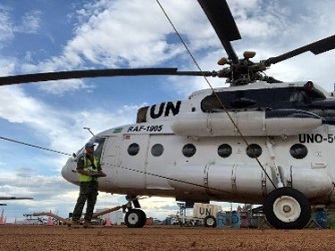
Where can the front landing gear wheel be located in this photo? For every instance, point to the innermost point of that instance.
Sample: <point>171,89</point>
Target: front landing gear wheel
<point>210,221</point>
<point>287,208</point>
<point>135,218</point>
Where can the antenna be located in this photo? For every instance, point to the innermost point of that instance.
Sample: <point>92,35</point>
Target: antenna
<point>89,129</point>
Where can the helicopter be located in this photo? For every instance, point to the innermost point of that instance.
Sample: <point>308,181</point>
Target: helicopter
<point>259,141</point>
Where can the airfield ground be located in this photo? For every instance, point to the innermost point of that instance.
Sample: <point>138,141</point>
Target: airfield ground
<point>24,238</point>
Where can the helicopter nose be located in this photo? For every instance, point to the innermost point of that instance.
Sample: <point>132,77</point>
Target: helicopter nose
<point>69,171</point>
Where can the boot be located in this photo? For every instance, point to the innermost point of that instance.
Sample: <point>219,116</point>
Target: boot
<point>74,224</point>
<point>87,224</point>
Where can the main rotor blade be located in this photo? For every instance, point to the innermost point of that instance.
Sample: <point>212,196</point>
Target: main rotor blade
<point>222,20</point>
<point>15,198</point>
<point>47,76</point>
<point>317,47</point>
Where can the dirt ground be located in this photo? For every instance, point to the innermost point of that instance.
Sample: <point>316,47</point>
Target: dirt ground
<point>15,237</point>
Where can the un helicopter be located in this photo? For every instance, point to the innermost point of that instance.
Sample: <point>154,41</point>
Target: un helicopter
<point>259,141</point>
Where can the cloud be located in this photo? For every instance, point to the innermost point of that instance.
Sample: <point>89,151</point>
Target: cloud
<point>6,26</point>
<point>56,126</point>
<point>30,22</point>
<point>113,35</point>
<point>105,36</point>
<point>64,86</point>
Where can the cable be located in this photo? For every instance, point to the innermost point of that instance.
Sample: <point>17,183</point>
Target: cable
<point>122,167</point>
<point>211,87</point>
<point>35,146</point>
<point>168,178</point>
<point>143,172</point>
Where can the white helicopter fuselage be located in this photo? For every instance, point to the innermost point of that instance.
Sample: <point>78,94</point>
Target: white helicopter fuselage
<point>178,150</point>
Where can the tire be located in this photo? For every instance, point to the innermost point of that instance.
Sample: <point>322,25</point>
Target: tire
<point>210,221</point>
<point>287,208</point>
<point>135,218</point>
<point>143,218</point>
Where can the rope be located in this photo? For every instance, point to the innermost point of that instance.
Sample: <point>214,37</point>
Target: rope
<point>213,91</point>
<point>35,146</point>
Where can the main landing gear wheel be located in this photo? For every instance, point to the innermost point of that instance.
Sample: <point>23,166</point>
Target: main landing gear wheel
<point>287,208</point>
<point>135,218</point>
<point>210,221</point>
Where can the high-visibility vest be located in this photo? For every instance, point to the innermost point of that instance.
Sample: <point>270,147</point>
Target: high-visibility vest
<point>88,167</point>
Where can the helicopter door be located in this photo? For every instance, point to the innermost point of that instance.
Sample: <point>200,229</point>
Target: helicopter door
<point>109,159</point>
<point>132,161</point>
<point>160,151</point>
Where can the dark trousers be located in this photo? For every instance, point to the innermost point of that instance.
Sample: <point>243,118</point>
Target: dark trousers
<point>88,192</point>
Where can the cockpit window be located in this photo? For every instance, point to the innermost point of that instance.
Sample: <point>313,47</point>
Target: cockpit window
<point>99,144</point>
<point>78,153</point>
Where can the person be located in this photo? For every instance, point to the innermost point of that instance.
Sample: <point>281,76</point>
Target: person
<point>89,169</point>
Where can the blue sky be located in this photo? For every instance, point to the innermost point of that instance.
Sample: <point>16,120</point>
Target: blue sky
<point>38,36</point>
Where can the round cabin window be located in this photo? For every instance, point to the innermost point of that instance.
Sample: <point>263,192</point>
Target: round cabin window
<point>298,151</point>
<point>189,150</point>
<point>157,150</point>
<point>254,151</point>
<point>224,150</point>
<point>133,149</point>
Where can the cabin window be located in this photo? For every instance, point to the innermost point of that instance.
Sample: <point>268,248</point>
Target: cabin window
<point>254,151</point>
<point>298,151</point>
<point>297,97</point>
<point>133,149</point>
<point>224,150</point>
<point>211,104</point>
<point>157,150</point>
<point>142,114</point>
<point>189,150</point>
<point>288,97</point>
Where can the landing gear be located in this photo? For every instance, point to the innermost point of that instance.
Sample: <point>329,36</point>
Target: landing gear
<point>287,208</point>
<point>135,218</point>
<point>210,221</point>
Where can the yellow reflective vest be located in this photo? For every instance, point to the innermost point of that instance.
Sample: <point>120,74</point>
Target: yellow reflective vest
<point>89,167</point>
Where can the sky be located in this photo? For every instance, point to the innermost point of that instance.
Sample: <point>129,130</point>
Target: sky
<point>40,36</point>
